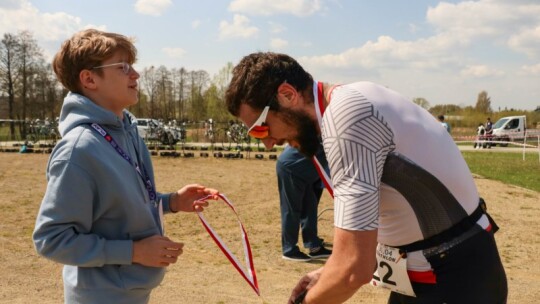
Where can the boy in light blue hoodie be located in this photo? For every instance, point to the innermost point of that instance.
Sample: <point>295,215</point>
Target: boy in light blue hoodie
<point>101,215</point>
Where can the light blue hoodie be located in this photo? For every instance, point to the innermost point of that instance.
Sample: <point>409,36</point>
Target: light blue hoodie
<point>96,205</point>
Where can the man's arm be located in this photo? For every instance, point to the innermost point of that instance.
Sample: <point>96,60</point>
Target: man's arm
<point>350,266</point>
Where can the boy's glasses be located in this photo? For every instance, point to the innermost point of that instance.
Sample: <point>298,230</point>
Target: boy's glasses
<point>126,67</point>
<point>259,129</point>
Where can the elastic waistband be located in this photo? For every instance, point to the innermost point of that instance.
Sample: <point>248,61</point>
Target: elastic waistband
<point>429,277</point>
<point>451,233</point>
<point>435,250</point>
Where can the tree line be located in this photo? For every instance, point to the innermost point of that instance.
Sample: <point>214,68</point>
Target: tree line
<point>31,91</point>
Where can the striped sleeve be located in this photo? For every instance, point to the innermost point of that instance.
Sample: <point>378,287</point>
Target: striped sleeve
<point>356,141</point>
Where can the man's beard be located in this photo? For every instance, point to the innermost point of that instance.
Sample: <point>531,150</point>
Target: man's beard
<point>307,137</point>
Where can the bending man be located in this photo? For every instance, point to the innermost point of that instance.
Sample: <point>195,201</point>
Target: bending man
<point>416,210</point>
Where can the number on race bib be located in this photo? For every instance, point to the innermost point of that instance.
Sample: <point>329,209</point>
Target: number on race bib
<point>392,268</point>
<point>386,277</point>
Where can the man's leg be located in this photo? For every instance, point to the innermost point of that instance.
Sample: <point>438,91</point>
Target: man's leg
<point>472,272</point>
<point>308,219</point>
<point>291,210</point>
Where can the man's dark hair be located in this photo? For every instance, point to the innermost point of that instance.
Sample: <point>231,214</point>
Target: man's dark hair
<point>441,117</point>
<point>257,76</point>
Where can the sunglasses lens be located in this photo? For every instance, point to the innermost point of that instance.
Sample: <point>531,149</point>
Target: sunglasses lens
<point>126,68</point>
<point>259,132</point>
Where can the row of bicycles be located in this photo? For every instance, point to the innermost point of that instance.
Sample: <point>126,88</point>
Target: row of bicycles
<point>229,135</point>
<point>38,130</point>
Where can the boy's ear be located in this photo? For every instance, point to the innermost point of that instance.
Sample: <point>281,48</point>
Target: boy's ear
<point>86,77</point>
<point>287,95</point>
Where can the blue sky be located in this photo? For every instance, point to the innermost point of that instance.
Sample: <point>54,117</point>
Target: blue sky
<point>446,52</point>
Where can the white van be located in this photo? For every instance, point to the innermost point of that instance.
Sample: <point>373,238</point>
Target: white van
<point>512,128</point>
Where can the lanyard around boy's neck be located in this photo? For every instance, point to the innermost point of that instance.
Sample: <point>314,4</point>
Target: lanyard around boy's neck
<point>319,109</point>
<point>145,177</point>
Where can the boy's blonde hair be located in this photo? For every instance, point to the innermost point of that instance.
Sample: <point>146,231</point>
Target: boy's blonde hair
<point>86,50</point>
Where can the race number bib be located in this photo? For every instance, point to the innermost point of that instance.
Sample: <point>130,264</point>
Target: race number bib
<point>391,271</point>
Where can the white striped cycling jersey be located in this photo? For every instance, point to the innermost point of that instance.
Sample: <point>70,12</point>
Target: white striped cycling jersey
<point>393,168</point>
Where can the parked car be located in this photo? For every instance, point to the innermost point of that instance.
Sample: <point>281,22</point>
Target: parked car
<point>178,130</point>
<point>152,129</point>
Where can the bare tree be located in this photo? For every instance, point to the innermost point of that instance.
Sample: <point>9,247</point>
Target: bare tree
<point>46,93</point>
<point>164,93</point>
<point>179,91</point>
<point>29,56</point>
<point>9,61</point>
<point>149,84</point>
<point>198,83</point>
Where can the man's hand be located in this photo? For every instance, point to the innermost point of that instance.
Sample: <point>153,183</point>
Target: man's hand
<point>188,198</point>
<point>305,283</point>
<point>156,251</point>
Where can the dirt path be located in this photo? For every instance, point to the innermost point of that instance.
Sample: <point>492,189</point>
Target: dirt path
<point>203,275</point>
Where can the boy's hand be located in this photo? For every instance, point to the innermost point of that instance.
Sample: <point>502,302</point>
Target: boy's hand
<point>156,251</point>
<point>188,198</point>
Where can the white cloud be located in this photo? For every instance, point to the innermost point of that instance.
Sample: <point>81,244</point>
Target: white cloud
<point>239,28</point>
<point>466,19</point>
<point>480,71</point>
<point>527,41</point>
<point>152,7</point>
<point>48,29</point>
<point>387,52</point>
<point>497,19</point>
<point>457,28</point>
<point>175,53</point>
<point>278,43</point>
<point>530,70</point>
<point>44,26</point>
<point>265,7</point>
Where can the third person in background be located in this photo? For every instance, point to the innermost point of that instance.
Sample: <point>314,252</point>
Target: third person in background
<point>444,123</point>
<point>300,189</point>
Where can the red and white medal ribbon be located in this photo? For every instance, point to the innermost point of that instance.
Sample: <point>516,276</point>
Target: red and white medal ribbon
<point>319,109</point>
<point>247,273</point>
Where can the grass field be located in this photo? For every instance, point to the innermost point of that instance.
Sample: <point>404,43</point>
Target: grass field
<point>507,167</point>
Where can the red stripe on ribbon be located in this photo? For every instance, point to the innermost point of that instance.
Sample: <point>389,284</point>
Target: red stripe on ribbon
<point>324,177</point>
<point>248,275</point>
<point>319,109</point>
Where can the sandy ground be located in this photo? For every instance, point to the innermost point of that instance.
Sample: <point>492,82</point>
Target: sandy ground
<point>202,274</point>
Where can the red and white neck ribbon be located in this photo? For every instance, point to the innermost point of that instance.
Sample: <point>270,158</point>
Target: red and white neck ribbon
<point>248,273</point>
<point>319,109</point>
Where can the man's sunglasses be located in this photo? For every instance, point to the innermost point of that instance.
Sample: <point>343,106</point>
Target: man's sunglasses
<point>259,129</point>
